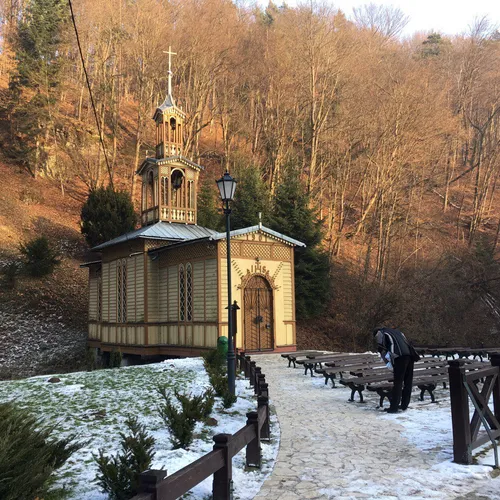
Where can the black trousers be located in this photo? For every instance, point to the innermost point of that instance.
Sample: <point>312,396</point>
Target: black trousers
<point>403,378</point>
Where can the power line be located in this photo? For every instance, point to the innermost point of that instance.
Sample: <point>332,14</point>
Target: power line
<point>91,96</point>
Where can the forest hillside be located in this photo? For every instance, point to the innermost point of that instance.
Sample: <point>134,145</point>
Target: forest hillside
<point>392,141</point>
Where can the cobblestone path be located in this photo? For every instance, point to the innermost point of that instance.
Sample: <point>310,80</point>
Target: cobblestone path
<point>334,449</point>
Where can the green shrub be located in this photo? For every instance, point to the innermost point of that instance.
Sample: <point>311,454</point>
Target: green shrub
<point>10,272</point>
<point>216,368</point>
<point>107,214</point>
<point>118,476</point>
<point>39,257</point>
<point>29,455</point>
<point>115,359</point>
<point>181,422</point>
<point>228,399</point>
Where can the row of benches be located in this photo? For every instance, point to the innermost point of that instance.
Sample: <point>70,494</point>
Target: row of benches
<point>366,371</point>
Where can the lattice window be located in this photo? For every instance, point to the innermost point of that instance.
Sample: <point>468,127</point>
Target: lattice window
<point>189,292</point>
<point>121,288</point>
<point>99,296</point>
<point>182,294</point>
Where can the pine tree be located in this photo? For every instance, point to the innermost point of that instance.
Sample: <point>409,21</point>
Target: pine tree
<point>38,49</point>
<point>208,214</point>
<point>251,197</point>
<point>107,214</point>
<point>293,216</point>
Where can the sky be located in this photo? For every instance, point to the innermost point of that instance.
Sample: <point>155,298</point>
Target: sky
<point>448,17</point>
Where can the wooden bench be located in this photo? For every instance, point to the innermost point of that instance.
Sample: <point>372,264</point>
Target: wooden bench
<point>359,383</point>
<point>332,360</point>
<point>369,366</point>
<point>292,356</point>
<point>427,374</point>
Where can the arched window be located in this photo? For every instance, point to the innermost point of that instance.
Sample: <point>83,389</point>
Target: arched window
<point>177,182</point>
<point>151,190</point>
<point>173,124</point>
<point>191,194</point>
<point>189,292</point>
<point>182,294</point>
<point>121,291</point>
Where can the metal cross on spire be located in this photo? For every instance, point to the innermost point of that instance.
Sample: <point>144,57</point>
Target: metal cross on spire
<point>170,54</point>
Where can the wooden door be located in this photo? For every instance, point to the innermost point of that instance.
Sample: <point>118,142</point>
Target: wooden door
<point>258,315</point>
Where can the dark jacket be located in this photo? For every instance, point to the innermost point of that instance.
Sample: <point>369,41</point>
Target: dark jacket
<point>392,341</point>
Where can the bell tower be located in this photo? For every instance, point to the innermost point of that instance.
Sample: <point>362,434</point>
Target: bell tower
<point>169,180</point>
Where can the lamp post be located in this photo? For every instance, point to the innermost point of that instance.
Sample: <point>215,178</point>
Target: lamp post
<point>227,186</point>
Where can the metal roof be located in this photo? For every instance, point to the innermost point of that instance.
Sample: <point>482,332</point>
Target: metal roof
<point>254,229</point>
<point>169,103</point>
<point>88,264</point>
<point>167,160</point>
<point>168,231</point>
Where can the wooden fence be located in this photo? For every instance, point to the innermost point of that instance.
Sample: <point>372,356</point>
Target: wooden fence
<point>464,389</point>
<point>156,485</point>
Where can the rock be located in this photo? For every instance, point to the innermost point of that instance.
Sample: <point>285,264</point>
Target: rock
<point>211,421</point>
<point>53,380</point>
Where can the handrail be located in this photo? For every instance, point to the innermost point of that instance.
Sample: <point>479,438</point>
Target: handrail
<point>156,485</point>
<point>463,389</point>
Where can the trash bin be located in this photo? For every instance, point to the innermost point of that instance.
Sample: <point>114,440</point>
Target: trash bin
<point>222,345</point>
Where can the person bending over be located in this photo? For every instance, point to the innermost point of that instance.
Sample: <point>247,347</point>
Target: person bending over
<point>400,356</point>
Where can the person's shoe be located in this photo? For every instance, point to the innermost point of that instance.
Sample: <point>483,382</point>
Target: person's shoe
<point>390,410</point>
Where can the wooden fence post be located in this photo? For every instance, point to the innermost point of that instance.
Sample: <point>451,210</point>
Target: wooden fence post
<point>253,457</point>
<point>252,373</point>
<point>264,389</point>
<point>462,452</point>
<point>260,378</point>
<point>265,430</point>
<point>495,361</point>
<point>256,372</point>
<point>247,366</point>
<point>222,488</point>
<point>148,481</point>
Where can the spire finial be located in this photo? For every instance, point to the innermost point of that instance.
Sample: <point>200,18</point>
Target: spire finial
<point>170,54</point>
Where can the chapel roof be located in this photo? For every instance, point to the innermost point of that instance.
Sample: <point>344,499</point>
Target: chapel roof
<point>162,231</point>
<point>170,159</point>
<point>215,236</point>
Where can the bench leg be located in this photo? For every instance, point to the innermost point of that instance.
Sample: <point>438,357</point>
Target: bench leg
<point>383,393</point>
<point>289,362</point>
<point>294,365</point>
<point>360,392</point>
<point>305,368</point>
<point>353,392</point>
<point>422,392</point>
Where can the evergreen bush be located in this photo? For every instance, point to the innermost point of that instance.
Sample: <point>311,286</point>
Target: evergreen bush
<point>107,214</point>
<point>181,422</point>
<point>29,455</point>
<point>115,359</point>
<point>215,366</point>
<point>39,257</point>
<point>118,476</point>
<point>10,272</point>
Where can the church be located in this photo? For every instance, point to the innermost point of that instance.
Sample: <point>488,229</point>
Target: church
<point>162,289</point>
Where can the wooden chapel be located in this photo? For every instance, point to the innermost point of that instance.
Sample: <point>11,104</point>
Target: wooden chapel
<point>162,289</point>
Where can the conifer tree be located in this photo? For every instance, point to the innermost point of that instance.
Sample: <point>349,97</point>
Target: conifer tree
<point>208,213</point>
<point>107,214</point>
<point>251,197</point>
<point>293,216</point>
<point>39,56</point>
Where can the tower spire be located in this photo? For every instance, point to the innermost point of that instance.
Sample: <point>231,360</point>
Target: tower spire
<point>170,54</point>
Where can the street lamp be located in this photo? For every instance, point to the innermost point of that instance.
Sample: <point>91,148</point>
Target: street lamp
<point>227,187</point>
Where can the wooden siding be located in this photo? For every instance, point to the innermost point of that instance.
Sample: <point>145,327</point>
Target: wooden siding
<point>287,292</point>
<point>93,293</point>
<point>139,288</point>
<point>211,290</point>
<point>163,296</point>
<point>199,291</point>
<point>153,275</point>
<point>105,292</point>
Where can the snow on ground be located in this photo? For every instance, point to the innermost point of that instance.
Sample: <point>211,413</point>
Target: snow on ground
<point>94,406</point>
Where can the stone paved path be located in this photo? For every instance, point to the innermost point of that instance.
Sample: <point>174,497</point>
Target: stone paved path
<point>334,449</point>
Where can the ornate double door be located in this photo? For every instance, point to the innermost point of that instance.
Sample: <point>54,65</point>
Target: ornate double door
<point>258,315</point>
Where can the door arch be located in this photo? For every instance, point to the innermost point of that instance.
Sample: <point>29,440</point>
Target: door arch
<point>258,310</point>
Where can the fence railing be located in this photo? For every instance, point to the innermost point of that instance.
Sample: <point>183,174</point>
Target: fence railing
<point>157,485</point>
<point>464,389</point>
